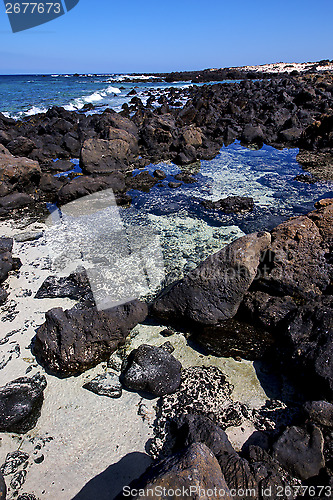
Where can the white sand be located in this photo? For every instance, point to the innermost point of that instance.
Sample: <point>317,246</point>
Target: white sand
<point>91,434</point>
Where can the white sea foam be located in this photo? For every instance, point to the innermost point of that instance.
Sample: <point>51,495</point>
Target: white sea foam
<point>92,98</point>
<point>35,110</point>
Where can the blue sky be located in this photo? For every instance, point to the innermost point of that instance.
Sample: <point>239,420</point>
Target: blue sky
<point>109,36</point>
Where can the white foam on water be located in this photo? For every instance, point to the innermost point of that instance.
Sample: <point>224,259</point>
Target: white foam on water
<point>96,96</point>
<point>34,111</point>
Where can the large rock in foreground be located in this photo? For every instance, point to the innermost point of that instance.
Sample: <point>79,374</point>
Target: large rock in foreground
<point>194,470</point>
<point>152,369</point>
<point>70,342</point>
<point>20,404</point>
<point>213,291</point>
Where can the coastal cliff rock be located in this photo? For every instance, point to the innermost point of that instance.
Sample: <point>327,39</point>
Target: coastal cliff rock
<point>151,369</point>
<point>72,341</point>
<point>20,404</point>
<point>213,291</point>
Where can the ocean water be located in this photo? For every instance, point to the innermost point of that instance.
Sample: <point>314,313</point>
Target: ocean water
<point>25,95</point>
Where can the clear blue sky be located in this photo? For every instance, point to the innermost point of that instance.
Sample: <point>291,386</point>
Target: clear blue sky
<point>103,36</point>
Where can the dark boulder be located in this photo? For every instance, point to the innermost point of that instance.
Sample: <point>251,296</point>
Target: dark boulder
<point>300,451</point>
<point>310,333</point>
<point>72,341</point>
<point>100,156</point>
<point>266,310</point>
<point>151,369</point>
<point>174,185</point>
<point>213,292</point>
<point>231,204</point>
<point>17,173</point>
<point>76,286</point>
<point>320,412</point>
<point>61,166</point>
<point>297,263</point>
<point>21,146</point>
<point>185,177</point>
<point>15,200</point>
<point>194,470</point>
<point>291,135</point>
<point>270,476</point>
<point>142,181</point>
<point>6,259</point>
<point>85,185</point>
<point>252,135</point>
<point>20,404</point>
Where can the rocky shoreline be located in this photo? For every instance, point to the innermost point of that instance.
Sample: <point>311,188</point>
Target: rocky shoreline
<point>265,297</point>
<point>281,112</point>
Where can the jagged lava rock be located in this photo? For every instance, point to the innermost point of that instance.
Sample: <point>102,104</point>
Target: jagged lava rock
<point>70,342</point>
<point>213,291</point>
<point>20,404</point>
<point>151,369</point>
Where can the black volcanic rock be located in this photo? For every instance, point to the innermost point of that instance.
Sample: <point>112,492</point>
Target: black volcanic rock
<point>72,341</point>
<point>310,333</point>
<point>231,204</point>
<point>151,369</point>
<point>85,185</point>
<point>20,404</point>
<point>142,181</point>
<point>235,338</point>
<point>76,286</point>
<point>300,451</point>
<point>6,259</point>
<point>213,291</point>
